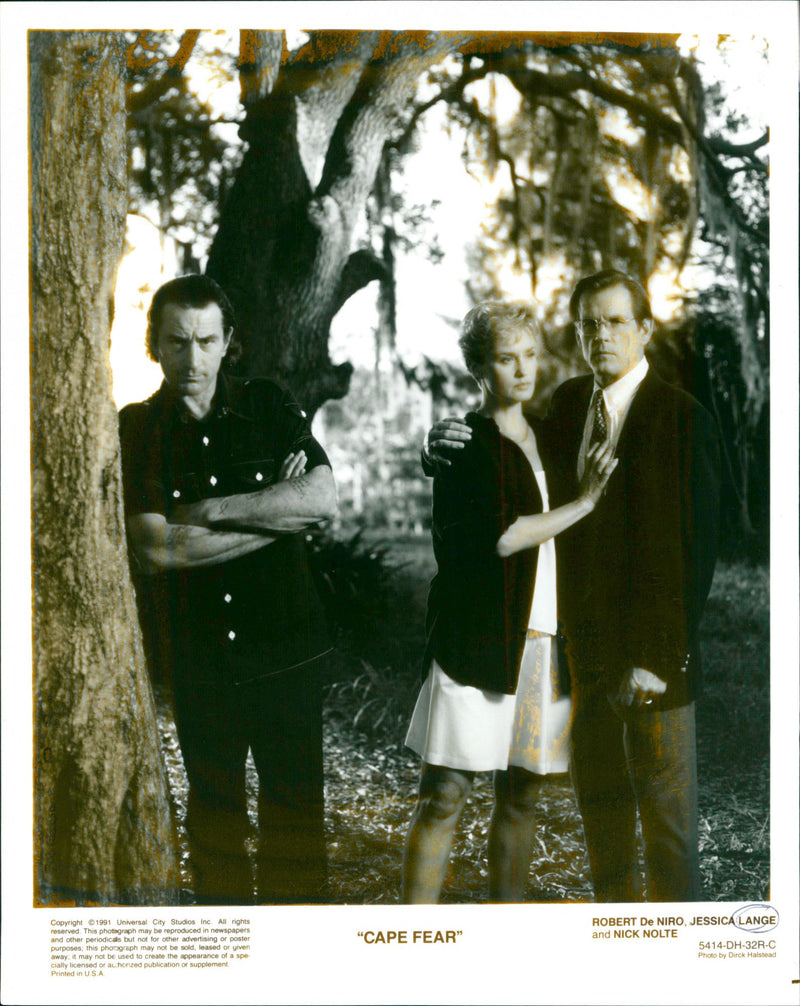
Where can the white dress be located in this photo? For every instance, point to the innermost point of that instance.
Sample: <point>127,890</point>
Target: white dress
<point>473,729</point>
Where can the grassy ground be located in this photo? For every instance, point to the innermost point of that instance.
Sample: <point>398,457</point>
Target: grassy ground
<point>733,742</point>
<point>371,778</point>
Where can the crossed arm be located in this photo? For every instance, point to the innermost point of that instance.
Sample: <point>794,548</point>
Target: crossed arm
<point>212,531</point>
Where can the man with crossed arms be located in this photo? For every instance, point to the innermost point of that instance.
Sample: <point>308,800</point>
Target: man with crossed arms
<point>221,476</point>
<point>633,578</point>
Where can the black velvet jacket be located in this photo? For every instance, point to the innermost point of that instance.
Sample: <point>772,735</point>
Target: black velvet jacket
<point>479,604</point>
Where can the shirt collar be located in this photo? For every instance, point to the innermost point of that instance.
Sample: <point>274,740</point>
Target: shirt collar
<point>226,400</point>
<point>618,395</point>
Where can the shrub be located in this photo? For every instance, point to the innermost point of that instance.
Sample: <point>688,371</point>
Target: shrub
<point>377,620</point>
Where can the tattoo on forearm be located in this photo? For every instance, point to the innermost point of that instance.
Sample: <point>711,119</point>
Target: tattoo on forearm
<point>227,503</point>
<point>178,533</point>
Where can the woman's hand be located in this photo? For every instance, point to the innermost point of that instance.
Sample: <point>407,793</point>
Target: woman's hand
<point>449,434</point>
<point>600,463</point>
<point>294,465</point>
<point>530,530</point>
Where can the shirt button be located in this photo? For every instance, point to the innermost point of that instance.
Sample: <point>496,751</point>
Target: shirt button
<point>227,599</point>
<point>176,494</point>
<point>231,635</point>
<point>206,441</point>
<point>259,477</point>
<point>213,480</point>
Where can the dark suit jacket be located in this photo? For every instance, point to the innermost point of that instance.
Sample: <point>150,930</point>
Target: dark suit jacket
<point>479,604</point>
<point>635,574</point>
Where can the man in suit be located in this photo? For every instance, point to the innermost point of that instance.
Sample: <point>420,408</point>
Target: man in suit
<point>633,580</point>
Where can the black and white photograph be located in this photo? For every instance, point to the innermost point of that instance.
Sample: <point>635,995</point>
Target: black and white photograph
<point>400,507</point>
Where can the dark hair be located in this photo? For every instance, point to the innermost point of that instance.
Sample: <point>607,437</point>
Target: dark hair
<point>605,280</point>
<point>191,291</point>
<point>484,322</point>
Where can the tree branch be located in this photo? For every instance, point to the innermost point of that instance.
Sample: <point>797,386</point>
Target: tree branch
<point>716,173</point>
<point>452,93</point>
<point>322,92</point>
<point>533,82</point>
<point>172,77</point>
<point>374,109</point>
<point>361,268</point>
<point>138,101</point>
<point>260,57</point>
<point>500,156</point>
<point>722,146</point>
<point>749,165</point>
<point>324,383</point>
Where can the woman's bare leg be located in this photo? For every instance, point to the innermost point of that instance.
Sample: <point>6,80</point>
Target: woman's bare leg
<point>442,795</point>
<point>511,833</point>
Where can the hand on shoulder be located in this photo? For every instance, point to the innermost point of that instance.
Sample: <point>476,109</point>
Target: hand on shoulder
<point>442,439</point>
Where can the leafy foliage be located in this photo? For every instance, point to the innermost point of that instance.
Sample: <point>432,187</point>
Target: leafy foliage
<point>375,671</point>
<point>180,165</point>
<point>733,713</point>
<point>354,580</point>
<point>743,420</point>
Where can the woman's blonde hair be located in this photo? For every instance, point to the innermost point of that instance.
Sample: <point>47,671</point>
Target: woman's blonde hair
<point>484,322</point>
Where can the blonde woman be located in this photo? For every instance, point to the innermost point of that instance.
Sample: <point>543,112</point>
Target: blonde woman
<point>490,701</point>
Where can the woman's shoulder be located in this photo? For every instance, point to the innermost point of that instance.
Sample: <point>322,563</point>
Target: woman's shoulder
<point>477,453</point>
<point>486,436</point>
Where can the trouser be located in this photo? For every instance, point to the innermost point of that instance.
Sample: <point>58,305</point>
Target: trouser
<point>278,718</point>
<point>646,760</point>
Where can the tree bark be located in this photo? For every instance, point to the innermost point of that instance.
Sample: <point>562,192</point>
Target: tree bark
<point>283,247</point>
<point>103,831</point>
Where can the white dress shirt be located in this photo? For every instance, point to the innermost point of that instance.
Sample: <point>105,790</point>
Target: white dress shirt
<point>617,398</point>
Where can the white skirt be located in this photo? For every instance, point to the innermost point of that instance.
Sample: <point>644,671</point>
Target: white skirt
<point>462,727</point>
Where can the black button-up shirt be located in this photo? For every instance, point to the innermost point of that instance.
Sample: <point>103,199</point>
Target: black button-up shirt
<point>247,617</point>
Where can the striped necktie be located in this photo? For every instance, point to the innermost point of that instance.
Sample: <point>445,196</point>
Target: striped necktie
<point>600,423</point>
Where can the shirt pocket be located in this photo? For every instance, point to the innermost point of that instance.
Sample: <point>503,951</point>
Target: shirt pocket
<point>248,476</point>
<point>186,487</point>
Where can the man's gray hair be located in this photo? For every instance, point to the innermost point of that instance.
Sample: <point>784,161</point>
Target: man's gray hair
<point>606,280</point>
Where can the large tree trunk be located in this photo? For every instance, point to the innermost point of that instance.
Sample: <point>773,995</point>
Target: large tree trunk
<point>283,248</point>
<point>103,831</point>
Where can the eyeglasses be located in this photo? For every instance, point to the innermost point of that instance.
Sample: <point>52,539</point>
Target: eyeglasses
<point>591,326</point>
